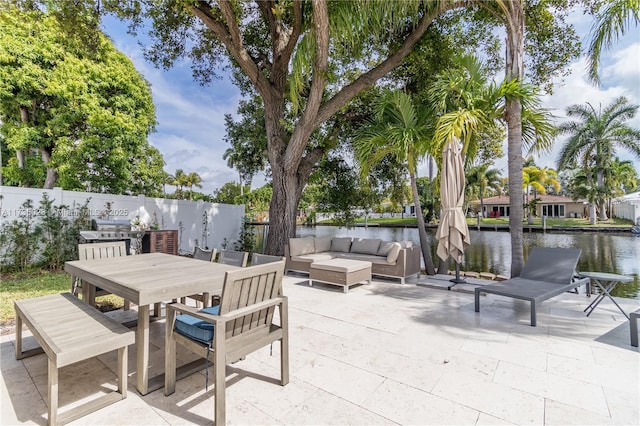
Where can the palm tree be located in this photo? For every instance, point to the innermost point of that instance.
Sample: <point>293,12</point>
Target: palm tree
<point>594,139</point>
<point>179,180</point>
<point>611,22</point>
<point>538,180</point>
<point>583,185</point>
<point>398,129</point>
<point>622,179</point>
<point>482,178</point>
<point>194,179</point>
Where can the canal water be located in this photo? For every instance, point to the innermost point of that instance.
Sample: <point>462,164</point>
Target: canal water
<point>490,251</point>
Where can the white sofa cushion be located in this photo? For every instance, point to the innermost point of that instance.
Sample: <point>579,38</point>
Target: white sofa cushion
<point>365,246</point>
<point>312,257</point>
<point>322,244</point>
<point>342,244</point>
<point>382,260</point>
<point>300,246</point>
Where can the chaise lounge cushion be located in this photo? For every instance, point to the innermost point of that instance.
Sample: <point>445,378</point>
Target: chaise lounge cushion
<point>365,246</point>
<point>341,244</point>
<point>195,328</point>
<point>300,246</point>
<point>322,244</point>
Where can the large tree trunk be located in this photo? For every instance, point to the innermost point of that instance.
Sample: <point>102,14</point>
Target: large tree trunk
<point>513,114</point>
<point>422,230</point>
<point>282,210</point>
<point>52,174</point>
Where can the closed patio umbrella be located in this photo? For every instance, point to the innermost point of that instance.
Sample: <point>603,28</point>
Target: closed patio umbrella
<point>453,233</point>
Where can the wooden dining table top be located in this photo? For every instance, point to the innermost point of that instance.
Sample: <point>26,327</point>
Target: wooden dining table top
<point>150,278</point>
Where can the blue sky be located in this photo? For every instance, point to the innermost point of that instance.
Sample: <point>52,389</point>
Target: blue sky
<point>190,130</point>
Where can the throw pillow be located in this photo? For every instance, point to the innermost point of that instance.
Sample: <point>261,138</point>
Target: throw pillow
<point>365,246</point>
<point>342,244</point>
<point>393,253</point>
<point>385,246</point>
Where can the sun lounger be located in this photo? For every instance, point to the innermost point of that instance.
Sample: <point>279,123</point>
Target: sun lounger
<point>547,273</point>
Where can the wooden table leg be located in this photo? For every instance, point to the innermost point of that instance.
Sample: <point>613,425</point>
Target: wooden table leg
<point>142,348</point>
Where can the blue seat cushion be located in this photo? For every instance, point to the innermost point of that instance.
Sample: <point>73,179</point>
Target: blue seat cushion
<point>195,328</point>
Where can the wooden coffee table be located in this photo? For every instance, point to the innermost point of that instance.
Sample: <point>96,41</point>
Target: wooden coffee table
<point>342,272</point>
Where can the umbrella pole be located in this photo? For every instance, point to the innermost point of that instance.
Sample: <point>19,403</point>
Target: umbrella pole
<point>457,279</point>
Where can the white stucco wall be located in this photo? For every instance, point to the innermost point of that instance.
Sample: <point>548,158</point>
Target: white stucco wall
<point>207,224</point>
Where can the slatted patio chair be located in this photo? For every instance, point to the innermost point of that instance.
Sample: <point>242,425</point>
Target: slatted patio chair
<point>208,256</point>
<point>241,324</point>
<point>98,251</point>
<point>261,259</point>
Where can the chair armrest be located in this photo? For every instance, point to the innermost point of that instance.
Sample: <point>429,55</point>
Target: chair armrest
<point>238,313</point>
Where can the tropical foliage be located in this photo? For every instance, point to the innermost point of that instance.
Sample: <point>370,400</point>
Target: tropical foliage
<point>612,20</point>
<point>595,135</point>
<point>399,129</point>
<point>480,180</point>
<point>72,115</point>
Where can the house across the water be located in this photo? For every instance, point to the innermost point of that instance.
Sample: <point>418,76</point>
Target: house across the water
<point>549,205</point>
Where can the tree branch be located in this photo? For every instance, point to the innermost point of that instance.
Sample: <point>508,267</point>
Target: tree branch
<point>306,124</point>
<point>230,36</point>
<point>369,78</point>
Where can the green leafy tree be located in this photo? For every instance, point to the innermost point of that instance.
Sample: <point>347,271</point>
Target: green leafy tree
<point>594,137</point>
<point>583,185</point>
<point>307,60</point>
<point>228,193</point>
<point>622,177</point>
<point>612,20</point>
<point>72,115</point>
<point>248,140</point>
<point>480,179</point>
<point>256,202</point>
<point>399,129</point>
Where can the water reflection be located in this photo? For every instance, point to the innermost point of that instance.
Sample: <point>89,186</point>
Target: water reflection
<point>491,251</point>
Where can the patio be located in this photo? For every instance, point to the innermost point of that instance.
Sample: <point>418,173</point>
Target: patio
<point>382,354</point>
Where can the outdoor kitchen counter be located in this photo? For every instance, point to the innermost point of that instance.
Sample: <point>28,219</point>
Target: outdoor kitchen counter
<point>147,279</point>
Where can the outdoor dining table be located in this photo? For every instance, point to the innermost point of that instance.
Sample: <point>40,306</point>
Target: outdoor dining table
<point>147,279</point>
<point>606,282</point>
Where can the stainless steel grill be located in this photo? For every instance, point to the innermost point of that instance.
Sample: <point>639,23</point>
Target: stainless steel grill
<point>110,230</point>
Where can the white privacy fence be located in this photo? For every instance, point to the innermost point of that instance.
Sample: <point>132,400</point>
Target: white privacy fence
<point>198,222</point>
<point>628,207</point>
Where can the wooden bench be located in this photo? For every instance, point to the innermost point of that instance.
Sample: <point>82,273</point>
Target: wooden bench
<point>68,331</point>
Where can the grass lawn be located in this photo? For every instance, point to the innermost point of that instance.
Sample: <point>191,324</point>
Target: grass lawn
<point>41,283</point>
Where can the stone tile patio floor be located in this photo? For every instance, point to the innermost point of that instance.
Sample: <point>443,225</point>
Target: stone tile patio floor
<point>384,353</point>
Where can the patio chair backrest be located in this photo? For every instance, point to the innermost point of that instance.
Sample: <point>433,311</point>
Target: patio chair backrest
<point>554,265</point>
<point>235,258</point>
<point>102,250</point>
<point>202,254</point>
<point>261,259</point>
<point>246,287</point>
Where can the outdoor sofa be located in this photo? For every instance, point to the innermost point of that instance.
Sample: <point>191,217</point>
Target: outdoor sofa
<point>389,259</point>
